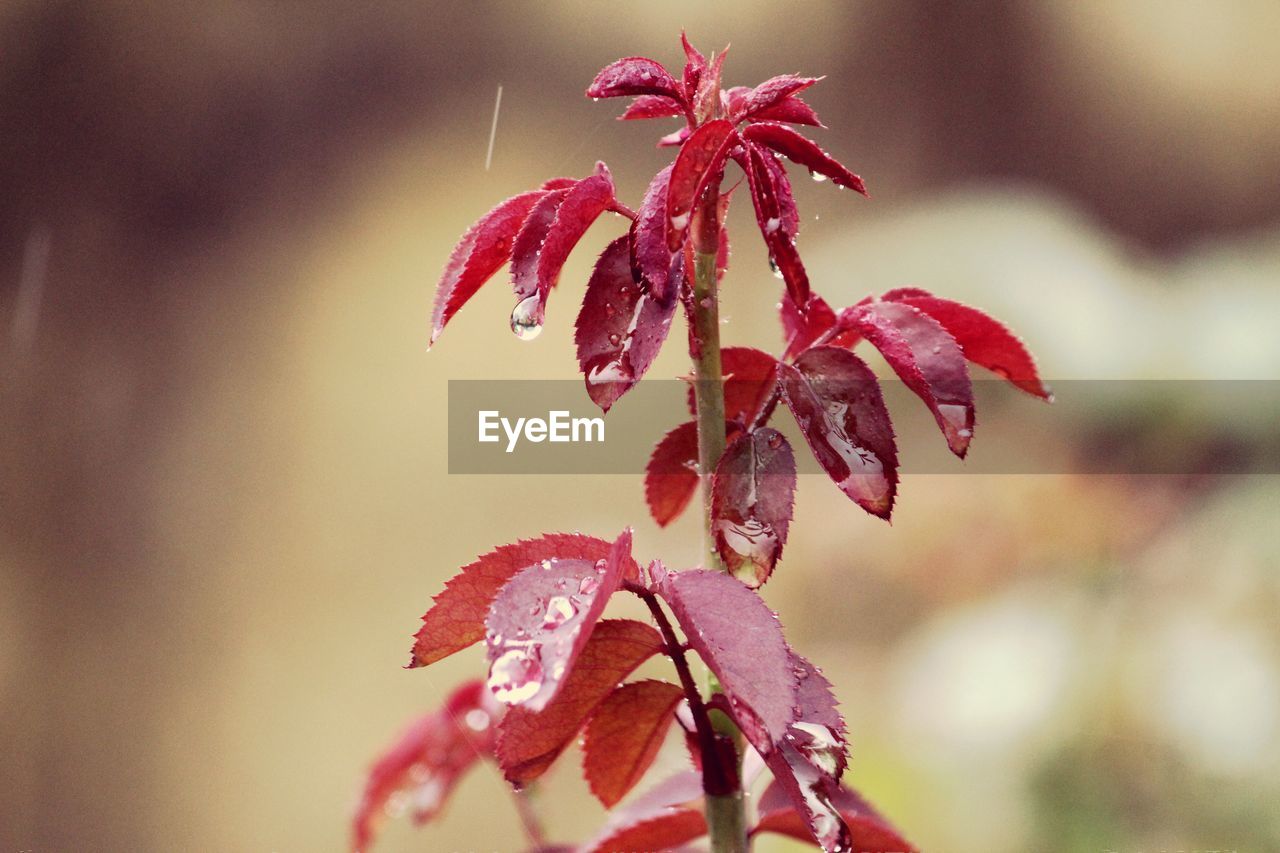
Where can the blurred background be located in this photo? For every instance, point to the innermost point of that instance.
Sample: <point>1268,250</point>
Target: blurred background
<point>224,501</point>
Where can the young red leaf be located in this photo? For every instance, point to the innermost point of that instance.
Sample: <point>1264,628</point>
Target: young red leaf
<point>589,198</point>
<point>695,65</point>
<point>769,93</point>
<point>633,75</point>
<point>542,618</point>
<point>456,619</point>
<point>752,497</point>
<point>740,640</point>
<point>652,106</point>
<point>869,832</point>
<point>803,151</point>
<point>699,164</point>
<point>481,252</point>
<point>620,328</point>
<point>707,96</point>
<point>788,213</point>
<point>666,816</point>
<point>652,257</point>
<point>671,477</point>
<point>749,378</point>
<point>792,109</point>
<point>984,340</point>
<point>837,402</point>
<point>624,735</point>
<point>421,769</point>
<point>529,741</point>
<point>770,217</point>
<point>926,358</point>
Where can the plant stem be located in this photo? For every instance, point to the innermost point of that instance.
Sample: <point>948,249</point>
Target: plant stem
<point>726,817</point>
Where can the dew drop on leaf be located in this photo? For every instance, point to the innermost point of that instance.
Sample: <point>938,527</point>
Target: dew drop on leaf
<point>681,222</point>
<point>515,676</point>
<point>560,609</point>
<point>524,319</point>
<point>818,177</point>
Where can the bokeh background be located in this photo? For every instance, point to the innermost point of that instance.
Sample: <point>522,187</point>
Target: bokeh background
<point>224,500</point>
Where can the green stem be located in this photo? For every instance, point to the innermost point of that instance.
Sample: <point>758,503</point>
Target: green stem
<point>726,816</point>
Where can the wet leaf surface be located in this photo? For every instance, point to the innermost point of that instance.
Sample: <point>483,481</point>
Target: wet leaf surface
<point>804,152</point>
<point>633,75</point>
<point>752,499</point>
<point>699,163</point>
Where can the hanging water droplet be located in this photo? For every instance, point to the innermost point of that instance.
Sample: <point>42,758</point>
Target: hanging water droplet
<point>774,268</point>
<point>820,745</point>
<point>515,676</point>
<point>560,609</point>
<point>818,177</point>
<point>772,224</point>
<point>681,222</point>
<point>755,540</point>
<point>524,318</point>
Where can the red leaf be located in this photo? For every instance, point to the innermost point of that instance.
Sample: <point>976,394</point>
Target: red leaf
<point>526,319</point>
<point>529,741</point>
<point>984,340</point>
<point>620,329</point>
<point>707,96</point>
<point>740,640</point>
<point>668,815</point>
<point>421,769</point>
<point>456,619</point>
<point>791,109</point>
<point>752,497</point>
<point>799,329</point>
<point>699,164</point>
<point>819,731</point>
<point>926,358</point>
<point>803,151</point>
<point>481,252</point>
<point>624,735</point>
<point>749,378</point>
<point>580,207</point>
<point>633,75</point>
<point>769,93</point>
<point>652,106</point>
<point>653,258</point>
<point>559,183</point>
<point>770,217</point>
<point>869,832</point>
<point>541,619</point>
<point>837,402</point>
<point>671,477</point>
<point>781,184</point>
<point>695,65</point>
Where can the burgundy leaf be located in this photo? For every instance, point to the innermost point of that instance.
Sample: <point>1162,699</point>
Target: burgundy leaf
<point>788,213</point>
<point>541,619</point>
<point>666,816</point>
<point>792,109</point>
<point>819,730</point>
<point>456,619</point>
<point>803,151</point>
<point>812,794</point>
<point>984,340</point>
<point>770,217</point>
<point>769,93</point>
<point>633,75</point>
<point>695,65</point>
<point>481,252</point>
<point>529,741</point>
<point>837,402</point>
<point>671,477</point>
<point>620,329</point>
<point>749,379</point>
<point>926,358</point>
<point>752,497</point>
<point>653,258</point>
<point>624,734</point>
<point>525,320</point>
<point>580,207</point>
<point>652,106</point>
<point>801,329</point>
<point>698,165</point>
<point>869,832</point>
<point>420,770</point>
<point>740,640</point>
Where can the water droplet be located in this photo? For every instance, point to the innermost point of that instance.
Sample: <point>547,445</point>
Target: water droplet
<point>753,539</point>
<point>680,222</point>
<point>609,370</point>
<point>588,585</point>
<point>772,224</point>
<point>775,440</point>
<point>773,266</point>
<point>602,566</point>
<point>546,565</point>
<point>818,177</point>
<point>477,720</point>
<point>524,319</point>
<point>560,609</point>
<point>937,349</point>
<point>428,797</point>
<point>820,746</point>
<point>801,673</point>
<point>515,676</point>
<point>615,339</point>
